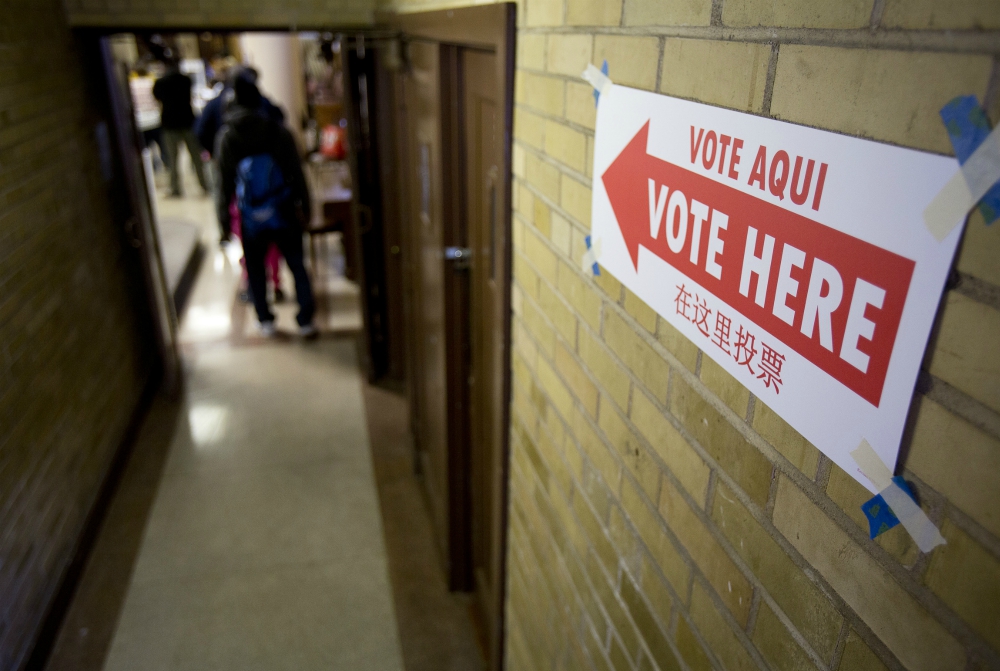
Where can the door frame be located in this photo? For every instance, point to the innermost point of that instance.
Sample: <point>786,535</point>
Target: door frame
<point>489,28</point>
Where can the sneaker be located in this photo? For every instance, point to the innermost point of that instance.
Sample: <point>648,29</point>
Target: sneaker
<point>309,331</point>
<point>268,329</point>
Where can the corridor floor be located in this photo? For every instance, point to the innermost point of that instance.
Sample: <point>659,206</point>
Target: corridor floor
<point>263,545</point>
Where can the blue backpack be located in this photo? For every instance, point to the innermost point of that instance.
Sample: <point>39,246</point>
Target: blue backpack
<point>261,193</point>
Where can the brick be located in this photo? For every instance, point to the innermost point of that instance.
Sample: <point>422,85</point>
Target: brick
<point>967,578</point>
<point>530,129</point>
<point>544,260</point>
<point>867,92</point>
<point>580,295</point>
<point>643,468</point>
<point>560,233</point>
<point>578,382</point>
<point>640,358</point>
<point>776,644</point>
<point>803,602</point>
<point>959,461</point>
<point>526,276</point>
<point>741,460</point>
<point>531,51</point>
<point>608,284</point>
<point>850,494</point>
<point>930,15</point>
<point>593,13</point>
<point>542,176</point>
<point>858,656</point>
<point>677,344</point>
<point>525,199</point>
<point>566,145</point>
<point>797,13</point>
<point>966,353</point>
<point>717,632</point>
<point>786,440</point>
<point>569,54</point>
<point>725,386</point>
<point>906,628</point>
<point>690,648</point>
<point>543,93</point>
<point>649,630</point>
<point>575,199</point>
<point>560,315</point>
<point>731,74</point>
<point>685,464</point>
<point>980,250</point>
<point>518,158</point>
<point>656,590</point>
<point>662,551</point>
<point>641,312</point>
<point>580,107</point>
<point>720,571</point>
<point>624,539</point>
<point>539,328</point>
<point>653,13</point>
<point>542,217</point>
<point>614,381</point>
<point>544,14</point>
<point>632,61</point>
<point>594,448</point>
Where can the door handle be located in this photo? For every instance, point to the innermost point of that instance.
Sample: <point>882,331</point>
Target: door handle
<point>459,256</point>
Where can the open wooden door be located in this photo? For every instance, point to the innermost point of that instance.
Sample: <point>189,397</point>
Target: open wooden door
<point>456,118</point>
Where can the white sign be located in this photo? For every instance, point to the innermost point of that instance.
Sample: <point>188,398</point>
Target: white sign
<point>795,258</point>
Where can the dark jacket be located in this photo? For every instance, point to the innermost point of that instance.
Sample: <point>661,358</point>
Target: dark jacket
<point>210,122</point>
<point>249,132</point>
<point>173,90</point>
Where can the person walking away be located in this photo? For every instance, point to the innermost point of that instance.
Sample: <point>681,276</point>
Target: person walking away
<point>259,164</point>
<point>206,128</point>
<point>173,90</point>
<point>147,111</point>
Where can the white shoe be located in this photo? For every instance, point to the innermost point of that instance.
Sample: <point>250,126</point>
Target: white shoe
<point>308,331</point>
<point>268,329</point>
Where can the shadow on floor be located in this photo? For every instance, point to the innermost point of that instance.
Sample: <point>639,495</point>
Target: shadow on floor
<point>436,628</point>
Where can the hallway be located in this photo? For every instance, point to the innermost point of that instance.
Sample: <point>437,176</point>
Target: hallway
<point>246,531</point>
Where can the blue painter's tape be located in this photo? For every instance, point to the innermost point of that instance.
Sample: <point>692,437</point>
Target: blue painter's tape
<point>596,268</point>
<point>597,94</point>
<point>968,126</point>
<point>879,514</point>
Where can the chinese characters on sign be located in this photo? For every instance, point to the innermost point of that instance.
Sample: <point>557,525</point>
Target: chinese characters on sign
<point>743,351</point>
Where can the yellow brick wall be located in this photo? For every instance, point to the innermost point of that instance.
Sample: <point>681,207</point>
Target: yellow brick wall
<point>219,13</point>
<point>72,362</point>
<point>663,517</point>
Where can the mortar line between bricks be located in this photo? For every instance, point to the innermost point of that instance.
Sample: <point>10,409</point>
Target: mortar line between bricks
<point>919,593</point>
<point>838,648</point>
<point>563,168</point>
<point>615,590</point>
<point>955,41</point>
<point>706,520</point>
<point>964,406</point>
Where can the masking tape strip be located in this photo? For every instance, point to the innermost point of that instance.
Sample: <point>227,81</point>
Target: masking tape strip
<point>966,188</point>
<point>589,263</point>
<point>968,125</point>
<point>910,515</point>
<point>597,79</point>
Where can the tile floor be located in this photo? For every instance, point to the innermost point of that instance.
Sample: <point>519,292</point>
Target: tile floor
<point>247,531</point>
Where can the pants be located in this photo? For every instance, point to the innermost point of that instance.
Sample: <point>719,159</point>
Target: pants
<point>289,241</point>
<point>154,135</point>
<point>172,138</point>
<point>272,261</point>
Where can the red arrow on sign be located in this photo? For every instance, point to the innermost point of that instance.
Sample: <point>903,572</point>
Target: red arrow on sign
<point>707,230</point>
